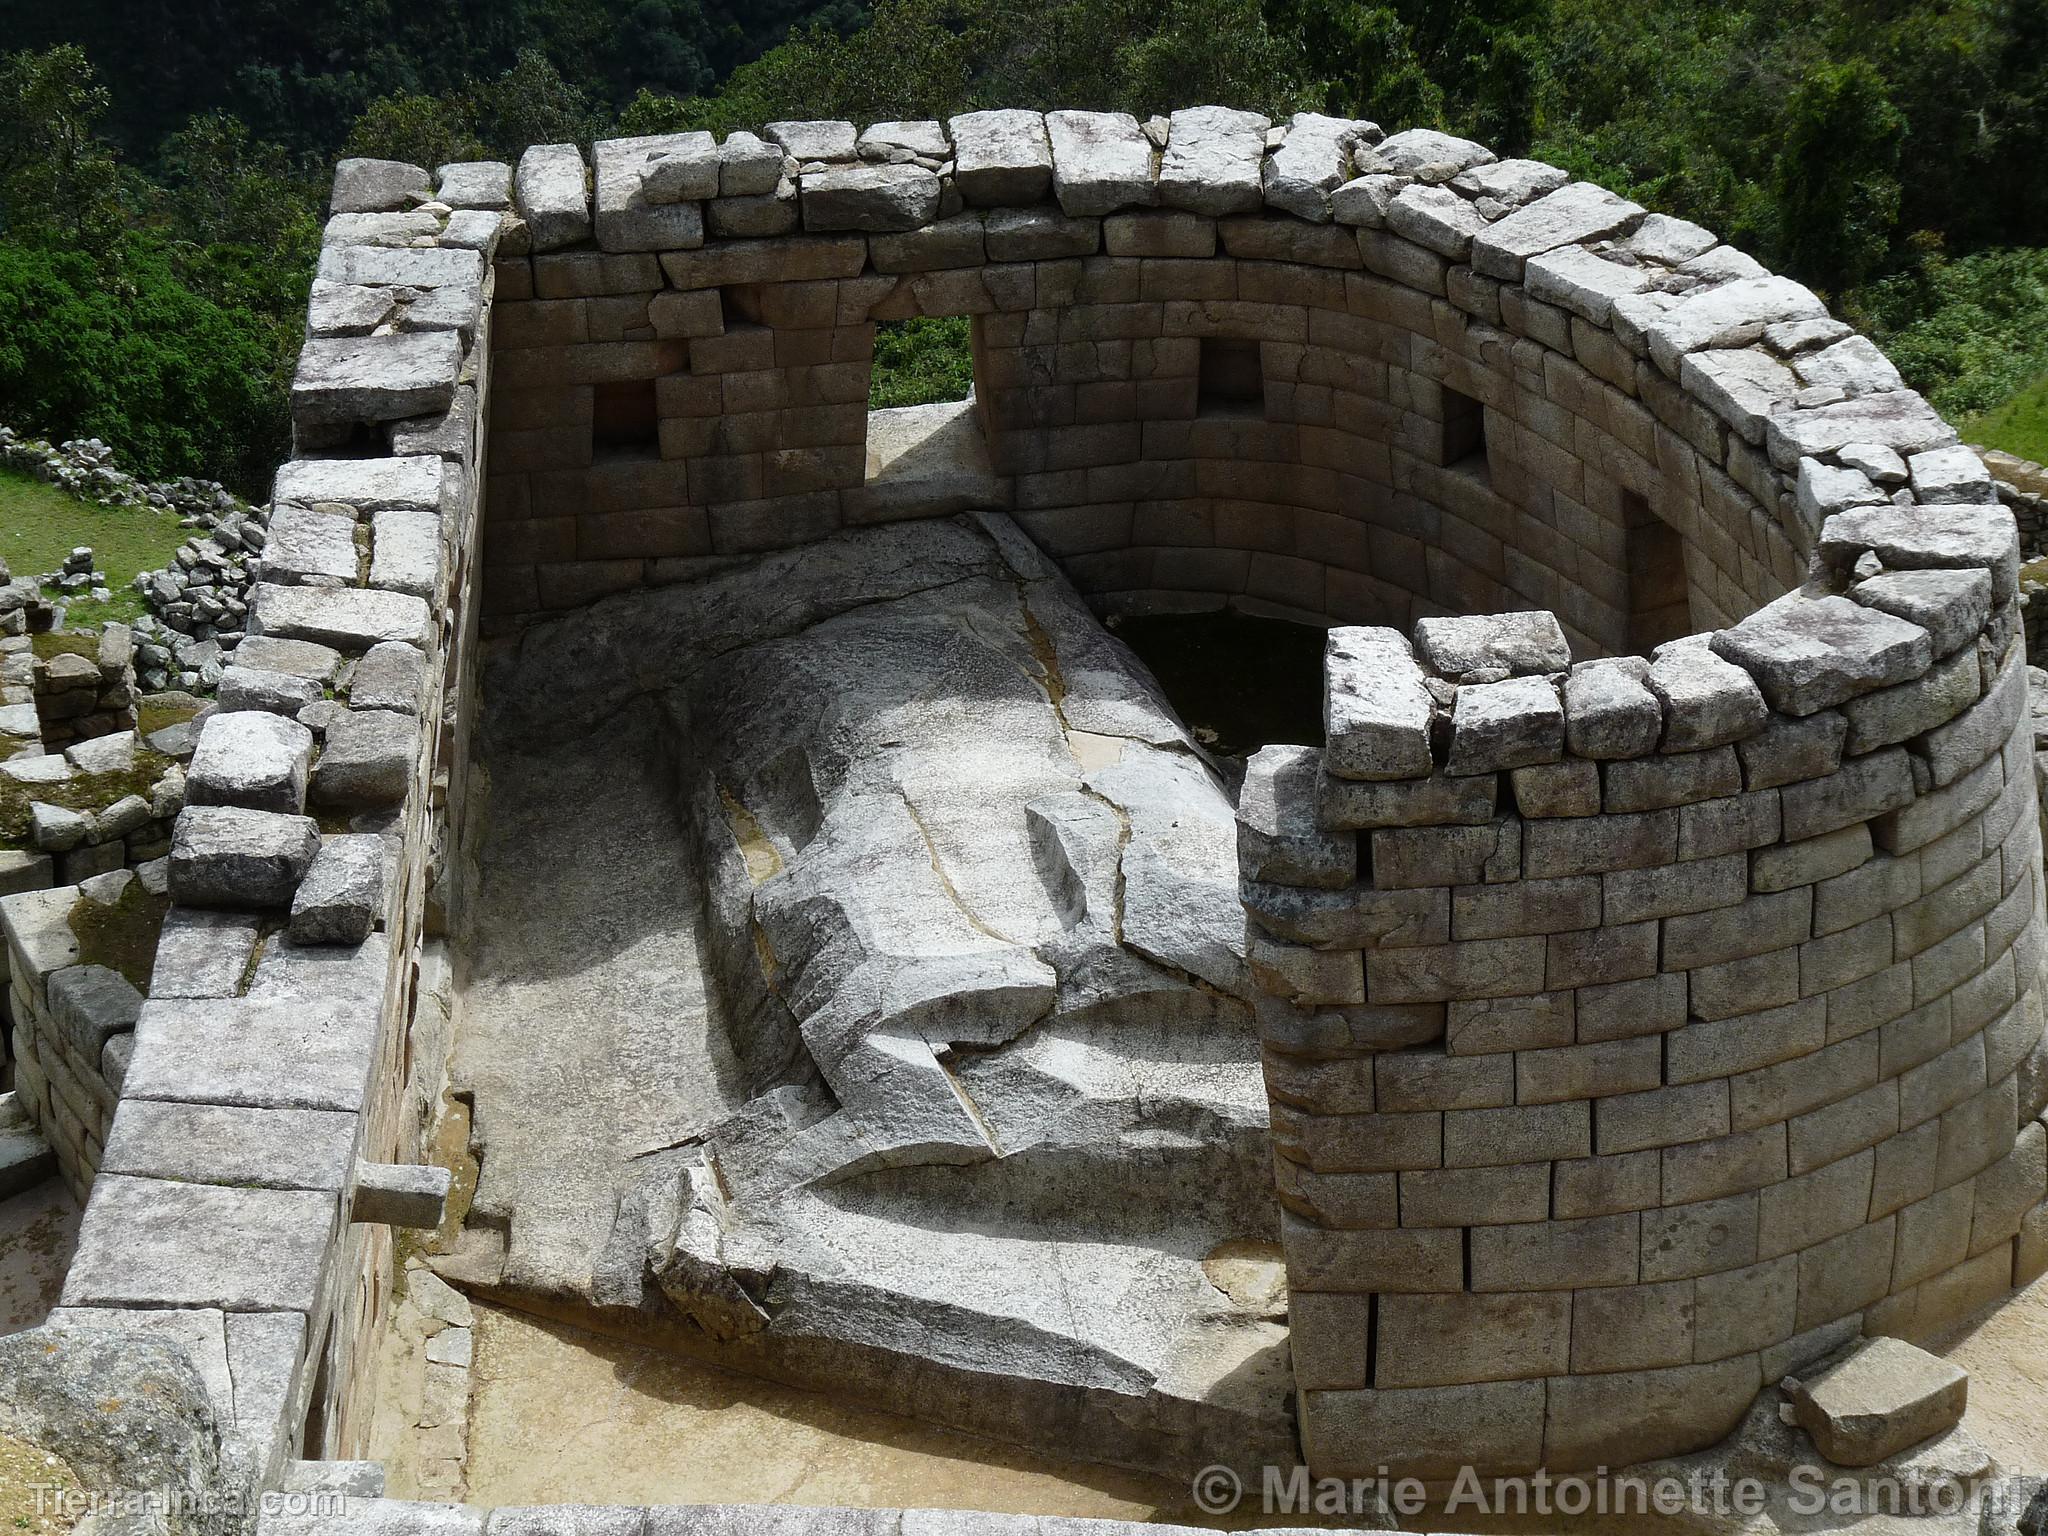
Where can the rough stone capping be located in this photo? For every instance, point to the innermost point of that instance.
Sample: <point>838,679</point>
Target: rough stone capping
<point>1640,1024</point>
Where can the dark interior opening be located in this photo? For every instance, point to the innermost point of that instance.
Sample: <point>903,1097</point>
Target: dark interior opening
<point>1238,681</point>
<point>1232,378</point>
<point>624,419</point>
<point>1659,606</point>
<point>1464,431</point>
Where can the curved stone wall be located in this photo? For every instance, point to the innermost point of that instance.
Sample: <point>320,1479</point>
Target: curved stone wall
<point>1637,1028</point>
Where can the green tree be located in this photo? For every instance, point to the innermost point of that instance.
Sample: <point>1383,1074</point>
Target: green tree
<point>56,174</point>
<point>1837,173</point>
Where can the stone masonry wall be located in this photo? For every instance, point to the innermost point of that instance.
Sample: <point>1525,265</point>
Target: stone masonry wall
<point>1638,1029</point>
<point>264,1130</point>
<point>1351,379</point>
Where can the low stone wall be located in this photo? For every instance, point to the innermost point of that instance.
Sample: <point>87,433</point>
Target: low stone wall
<point>1640,1029</point>
<point>270,1104</point>
<point>71,1024</point>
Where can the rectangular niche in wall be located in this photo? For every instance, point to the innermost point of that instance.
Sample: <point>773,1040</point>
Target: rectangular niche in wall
<point>1464,432</point>
<point>624,420</point>
<point>1659,607</point>
<point>1232,378</point>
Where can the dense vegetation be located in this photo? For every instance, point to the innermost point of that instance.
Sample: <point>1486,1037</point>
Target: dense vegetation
<point>162,167</point>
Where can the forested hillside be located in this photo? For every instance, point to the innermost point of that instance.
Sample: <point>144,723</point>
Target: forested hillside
<point>162,166</point>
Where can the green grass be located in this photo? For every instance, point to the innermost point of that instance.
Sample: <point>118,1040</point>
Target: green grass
<point>2020,426</point>
<point>921,362</point>
<point>40,525</point>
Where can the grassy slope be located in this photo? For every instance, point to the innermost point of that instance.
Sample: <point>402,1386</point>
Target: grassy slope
<point>39,526</point>
<point>2020,426</point>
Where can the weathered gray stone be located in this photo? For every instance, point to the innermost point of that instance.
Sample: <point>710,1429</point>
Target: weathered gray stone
<point>1519,644</point>
<point>342,896</point>
<point>314,546</point>
<point>1898,421</point>
<point>483,184</point>
<point>373,186</point>
<point>280,693</point>
<point>551,192</point>
<point>1707,701</point>
<point>1001,157</point>
<point>1882,1397</point>
<point>1435,218</point>
<point>231,1144</point>
<point>824,139</point>
<point>1213,160</point>
<point>391,675</point>
<point>341,381</point>
<point>1425,153</point>
<point>90,1004</point>
<point>1278,838</point>
<point>870,197</point>
<point>203,954</point>
<point>156,1243</point>
<point>1572,213</point>
<point>367,759</point>
<point>1376,712</point>
<point>400,1194</point>
<point>352,620</point>
<point>748,166</point>
<point>251,758</point>
<point>1731,315</point>
<point>1582,281</point>
<point>406,551</point>
<point>1310,164</point>
<point>1101,162</point>
<point>1502,725</point>
<point>1609,710</point>
<point>1809,653</point>
<point>1951,475</point>
<point>1952,606</point>
<point>1928,538</point>
<point>231,856</point>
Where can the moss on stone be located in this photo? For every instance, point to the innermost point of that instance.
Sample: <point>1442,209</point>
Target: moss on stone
<point>65,642</point>
<point>159,711</point>
<point>122,937</point>
<point>81,792</point>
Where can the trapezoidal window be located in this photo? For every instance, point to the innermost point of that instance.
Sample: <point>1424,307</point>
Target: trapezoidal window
<point>1464,432</point>
<point>1659,605</point>
<point>624,420</point>
<point>1232,378</point>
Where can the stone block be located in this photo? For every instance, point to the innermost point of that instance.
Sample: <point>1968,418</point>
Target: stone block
<point>1813,1207</point>
<point>1588,1071</point>
<point>1405,858</point>
<point>1517,644</point>
<point>1001,157</point>
<point>342,381</point>
<point>1568,788</point>
<point>1213,161</point>
<point>1809,653</point>
<point>1694,885</point>
<point>367,759</point>
<point>1595,844</point>
<point>1703,1238</point>
<point>1742,1310</point>
<point>1884,1396</point>
<point>1622,1010</point>
<point>1633,1327</point>
<point>1663,1117</point>
<point>1430,1341</point>
<point>350,620</point>
<point>1845,1274</point>
<point>1577,212</point>
<point>1928,538</point>
<point>232,856</point>
<point>1804,1083</point>
<point>1101,162</point>
<point>1556,1255</point>
<point>1357,805</point>
<point>1330,1337</point>
<point>262,1052</point>
<point>1508,724</point>
<point>1484,1025</point>
<point>552,195</point>
<point>1708,702</point>
<point>1952,606</point>
<point>1727,1046</point>
<point>156,1243</point>
<point>1495,1424</point>
<point>1596,957</point>
<point>252,759</point>
<point>342,896</point>
<point>1485,1138</point>
<point>1604,1186</point>
<point>1484,968</point>
<point>1628,1416</point>
<point>1522,907</point>
<point>1463,1197</point>
<point>1378,1262</point>
<point>1610,711</point>
<point>1407,1081</point>
<point>1654,783</point>
<point>399,1195</point>
<point>231,1145</point>
<point>1789,749</point>
<point>1376,710</point>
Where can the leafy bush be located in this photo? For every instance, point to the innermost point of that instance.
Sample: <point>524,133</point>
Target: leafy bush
<point>1968,333</point>
<point>921,362</point>
<point>118,344</point>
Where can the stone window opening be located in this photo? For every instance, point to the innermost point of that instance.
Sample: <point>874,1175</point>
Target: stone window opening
<point>1232,379</point>
<point>625,420</point>
<point>1464,433</point>
<point>1659,601</point>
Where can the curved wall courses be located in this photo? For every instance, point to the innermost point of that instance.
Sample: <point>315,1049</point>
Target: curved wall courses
<point>1480,382</point>
<point>1588,370</point>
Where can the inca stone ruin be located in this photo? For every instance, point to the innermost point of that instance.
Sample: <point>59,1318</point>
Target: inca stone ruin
<point>853,971</point>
